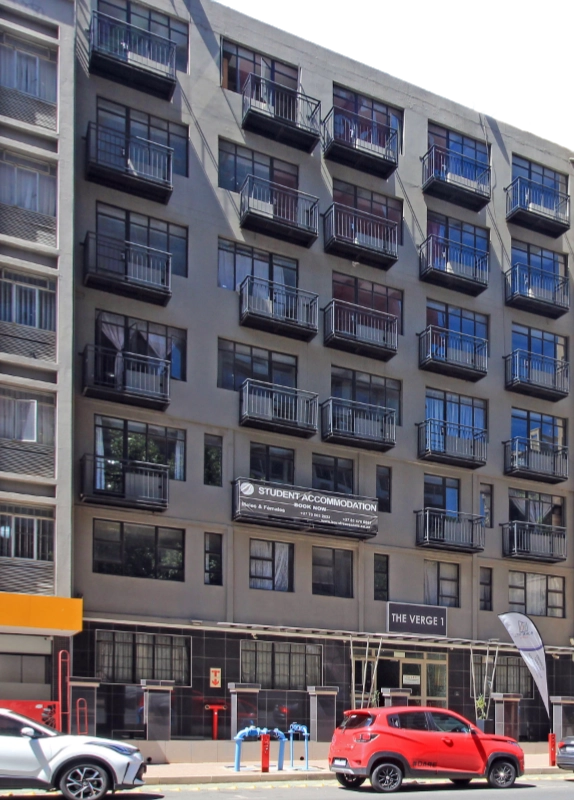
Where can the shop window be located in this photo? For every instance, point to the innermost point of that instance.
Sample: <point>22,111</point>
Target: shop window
<point>281,665</point>
<point>126,657</point>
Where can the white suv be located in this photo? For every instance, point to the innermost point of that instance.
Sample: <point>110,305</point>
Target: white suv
<point>33,756</point>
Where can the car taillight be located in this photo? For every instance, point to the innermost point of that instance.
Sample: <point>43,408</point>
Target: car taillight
<point>363,738</point>
<point>560,745</point>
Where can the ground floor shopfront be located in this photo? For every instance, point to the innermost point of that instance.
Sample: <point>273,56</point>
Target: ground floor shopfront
<point>197,664</point>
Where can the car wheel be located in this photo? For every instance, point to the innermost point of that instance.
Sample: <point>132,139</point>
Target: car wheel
<point>86,781</point>
<point>349,781</point>
<point>386,778</point>
<point>460,783</point>
<point>502,774</point>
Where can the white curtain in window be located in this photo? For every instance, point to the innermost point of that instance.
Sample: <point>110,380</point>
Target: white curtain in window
<point>105,656</point>
<point>6,418</point>
<point>536,594</point>
<point>27,73</point>
<point>7,184</point>
<point>25,306</point>
<point>46,423</point>
<point>179,466</point>
<point>180,663</point>
<point>27,189</point>
<point>25,422</point>
<point>47,195</point>
<point>6,66</point>
<point>47,80</point>
<point>281,567</point>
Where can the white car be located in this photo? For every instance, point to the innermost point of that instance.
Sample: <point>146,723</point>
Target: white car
<point>33,756</point>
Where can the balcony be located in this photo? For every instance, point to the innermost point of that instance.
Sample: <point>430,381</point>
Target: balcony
<point>537,207</point>
<point>453,353</point>
<point>451,264</point>
<point>281,113</point>
<point>129,163</point>
<point>537,375</point>
<point>360,330</point>
<point>271,407</point>
<point>538,291</point>
<point>27,458</point>
<point>279,211</point>
<point>31,226</point>
<point>358,424</point>
<point>28,109</point>
<point>277,308</point>
<point>536,460</point>
<point>304,509</point>
<point>457,178</point>
<point>360,142</point>
<point>360,236</point>
<point>452,443</point>
<point>27,342</point>
<point>126,377</point>
<point>127,268</point>
<point>123,482</point>
<point>447,530</point>
<point>530,541</point>
<point>132,56</point>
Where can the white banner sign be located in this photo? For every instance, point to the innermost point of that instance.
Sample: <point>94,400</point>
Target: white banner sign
<point>525,636</point>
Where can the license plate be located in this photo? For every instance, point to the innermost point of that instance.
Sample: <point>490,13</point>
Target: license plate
<point>567,749</point>
<point>339,762</point>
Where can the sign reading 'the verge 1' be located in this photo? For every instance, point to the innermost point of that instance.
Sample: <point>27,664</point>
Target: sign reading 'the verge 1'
<point>285,506</point>
<point>408,618</point>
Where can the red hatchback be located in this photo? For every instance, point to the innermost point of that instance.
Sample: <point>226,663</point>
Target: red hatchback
<point>396,742</point>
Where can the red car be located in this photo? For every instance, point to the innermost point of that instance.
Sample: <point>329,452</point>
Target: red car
<point>396,742</point>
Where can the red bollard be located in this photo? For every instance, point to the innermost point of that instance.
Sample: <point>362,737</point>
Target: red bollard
<point>265,745</point>
<point>215,708</point>
<point>552,749</point>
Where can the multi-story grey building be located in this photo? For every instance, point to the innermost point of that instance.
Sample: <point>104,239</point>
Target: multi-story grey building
<point>323,318</point>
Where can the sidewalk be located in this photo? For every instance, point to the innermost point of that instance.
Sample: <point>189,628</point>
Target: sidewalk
<point>165,774</point>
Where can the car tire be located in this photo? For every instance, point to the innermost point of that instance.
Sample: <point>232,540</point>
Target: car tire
<point>386,777</point>
<point>349,781</point>
<point>502,774</point>
<point>460,783</point>
<point>84,781</point>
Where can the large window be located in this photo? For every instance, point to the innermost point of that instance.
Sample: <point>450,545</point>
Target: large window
<point>332,474</point>
<point>369,295</point>
<point>236,163</point>
<point>127,226</point>
<point>549,178</point>
<point>143,338</point>
<point>442,584</point>
<point>119,439</point>
<point>238,261</point>
<point>27,184</point>
<point>388,208</point>
<point>537,342</point>
<point>381,576</point>
<point>239,62</point>
<point>26,532</point>
<point>538,427</point>
<point>456,409</point>
<point>442,493</point>
<point>532,255</point>
<point>362,387</point>
<point>511,675</point>
<point>464,146</point>
<point>27,416</point>
<point>138,551</point>
<point>537,507</point>
<point>281,665</point>
<point>213,559</point>
<point>212,460</point>
<point>28,68</point>
<point>139,125</point>
<point>458,320</point>
<point>380,113</point>
<point>237,362</point>
<point>332,572</point>
<point>271,565</point>
<point>153,21</point>
<point>536,594</point>
<point>271,463</point>
<point>461,233</point>
<point>27,300</point>
<point>126,657</point>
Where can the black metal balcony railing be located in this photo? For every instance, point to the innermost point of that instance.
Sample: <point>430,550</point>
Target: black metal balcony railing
<point>132,55</point>
<point>360,142</point>
<point>278,408</point>
<point>537,375</point>
<point>531,458</point>
<point>283,309</point>
<point>126,377</point>
<point>536,290</point>
<point>534,542</point>
<point>282,113</point>
<point>452,264</point>
<point>358,424</point>
<point>279,211</point>
<point>27,458</point>
<point>453,353</point>
<point>27,342</point>
<point>534,205</point>
<point>127,268</point>
<point>124,482</point>
<point>360,236</point>
<point>130,163</point>
<point>449,530</point>
<point>360,330</point>
<point>452,443</point>
<point>456,177</point>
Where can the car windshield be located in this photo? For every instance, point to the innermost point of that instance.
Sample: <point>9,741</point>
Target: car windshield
<point>32,723</point>
<point>356,721</point>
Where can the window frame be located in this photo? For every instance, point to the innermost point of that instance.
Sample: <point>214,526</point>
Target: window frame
<point>381,568</point>
<point>264,667</point>
<point>522,586</point>
<point>43,532</point>
<point>258,258</point>
<point>133,662</point>
<point>337,484</point>
<point>485,588</point>
<point>253,559</point>
<point>218,446</point>
<point>213,559</point>
<point>384,502</point>
<point>340,559</point>
<point>262,166</point>
<point>239,358</point>
<point>341,280</point>
<point>440,593</point>
<point>286,457</point>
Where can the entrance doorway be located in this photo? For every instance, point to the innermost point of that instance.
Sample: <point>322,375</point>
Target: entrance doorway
<point>425,674</point>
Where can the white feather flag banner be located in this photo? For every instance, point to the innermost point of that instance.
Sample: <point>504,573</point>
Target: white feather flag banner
<point>528,641</point>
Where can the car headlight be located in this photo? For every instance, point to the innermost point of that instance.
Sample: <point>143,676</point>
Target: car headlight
<point>122,749</point>
<point>514,744</point>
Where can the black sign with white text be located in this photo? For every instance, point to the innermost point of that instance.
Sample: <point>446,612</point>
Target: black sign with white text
<point>408,618</point>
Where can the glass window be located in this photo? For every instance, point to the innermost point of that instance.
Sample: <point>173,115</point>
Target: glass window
<point>281,665</point>
<point>457,232</point>
<point>362,387</point>
<point>456,410</point>
<point>541,343</point>
<point>413,720</point>
<point>236,163</point>
<point>212,460</point>
<point>30,185</point>
<point>28,68</point>
<point>238,362</point>
<point>270,463</point>
<point>537,257</point>
<point>239,62</point>
<point>381,576</point>
<point>522,168</point>
<point>381,114</point>
<point>213,559</point>
<point>485,589</point>
<point>369,295</point>
<point>332,474</point>
<point>458,320</point>
<point>26,532</point>
<point>537,427</point>
<point>27,300</point>
<point>126,657</point>
<point>486,504</point>
<point>270,565</point>
<point>442,493</point>
<point>387,208</point>
<point>536,594</point>
<point>332,572</point>
<point>138,551</point>
<point>442,584</point>
<point>464,146</point>
<point>237,262</point>
<point>511,675</point>
<point>384,489</point>
<point>27,416</point>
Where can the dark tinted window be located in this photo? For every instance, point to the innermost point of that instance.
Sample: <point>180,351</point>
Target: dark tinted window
<point>413,720</point>
<point>357,721</point>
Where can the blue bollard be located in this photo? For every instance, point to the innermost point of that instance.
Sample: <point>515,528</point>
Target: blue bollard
<point>247,733</point>
<point>296,728</point>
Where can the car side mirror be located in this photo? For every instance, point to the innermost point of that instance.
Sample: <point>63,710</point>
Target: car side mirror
<point>473,730</point>
<point>29,732</point>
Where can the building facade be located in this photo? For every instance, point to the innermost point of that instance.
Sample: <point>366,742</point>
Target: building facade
<point>323,319</point>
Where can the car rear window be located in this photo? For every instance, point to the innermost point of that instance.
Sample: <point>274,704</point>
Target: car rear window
<point>356,721</point>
